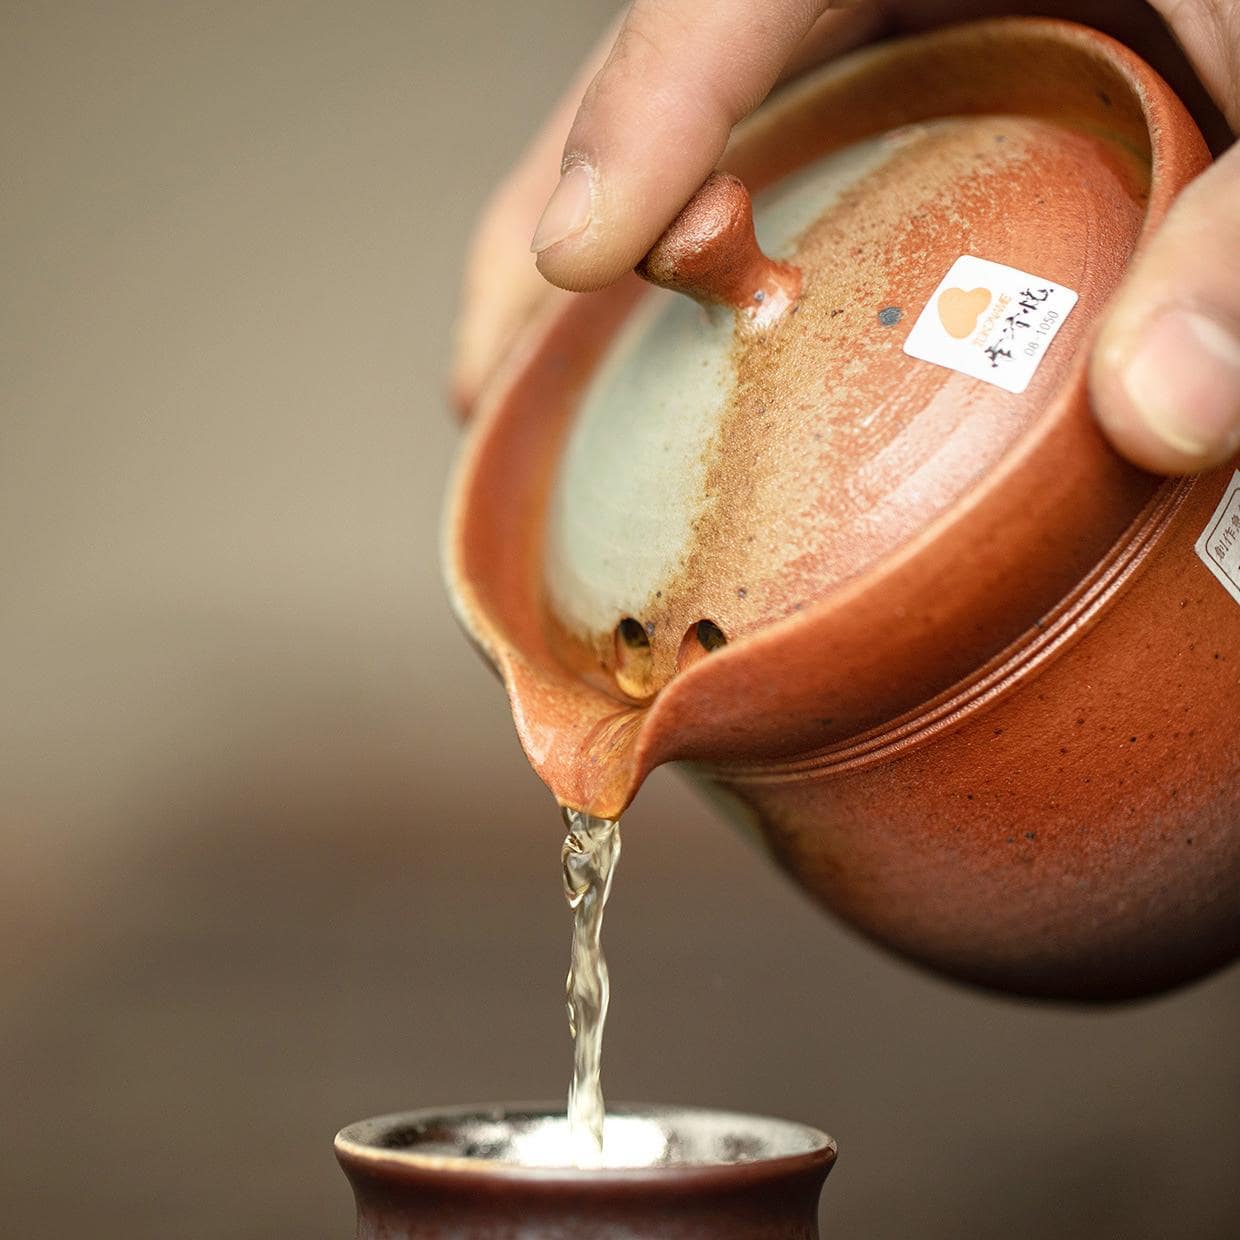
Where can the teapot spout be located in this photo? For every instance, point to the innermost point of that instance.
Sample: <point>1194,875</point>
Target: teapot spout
<point>588,747</point>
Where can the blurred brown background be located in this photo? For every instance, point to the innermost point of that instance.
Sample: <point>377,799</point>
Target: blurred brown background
<point>272,858</point>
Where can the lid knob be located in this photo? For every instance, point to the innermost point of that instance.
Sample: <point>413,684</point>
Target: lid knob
<point>709,252</point>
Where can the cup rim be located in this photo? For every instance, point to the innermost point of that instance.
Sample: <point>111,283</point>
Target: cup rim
<point>358,1146</point>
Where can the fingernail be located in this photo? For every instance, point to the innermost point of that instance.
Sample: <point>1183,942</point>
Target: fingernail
<point>1184,379</point>
<point>567,211</point>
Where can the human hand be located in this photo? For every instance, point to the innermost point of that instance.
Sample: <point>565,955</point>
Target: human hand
<point>668,84</point>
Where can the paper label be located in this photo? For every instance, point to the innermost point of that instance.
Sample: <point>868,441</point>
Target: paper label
<point>1219,544</point>
<point>990,321</point>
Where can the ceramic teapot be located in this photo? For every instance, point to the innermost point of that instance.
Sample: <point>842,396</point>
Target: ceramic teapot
<point>831,523</point>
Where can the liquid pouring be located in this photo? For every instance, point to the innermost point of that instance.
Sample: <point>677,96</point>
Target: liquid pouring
<point>591,850</point>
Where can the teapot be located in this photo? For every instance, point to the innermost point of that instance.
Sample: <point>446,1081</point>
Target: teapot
<point>827,519</point>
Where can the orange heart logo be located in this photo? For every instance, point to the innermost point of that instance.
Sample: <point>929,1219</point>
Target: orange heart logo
<point>959,311</point>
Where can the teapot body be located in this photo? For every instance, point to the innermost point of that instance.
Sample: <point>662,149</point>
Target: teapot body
<point>1064,823</point>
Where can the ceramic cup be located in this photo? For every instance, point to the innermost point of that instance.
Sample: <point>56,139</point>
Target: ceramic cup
<point>499,1173</point>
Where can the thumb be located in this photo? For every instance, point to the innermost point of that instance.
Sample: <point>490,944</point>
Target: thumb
<point>654,123</point>
<point>1165,373</point>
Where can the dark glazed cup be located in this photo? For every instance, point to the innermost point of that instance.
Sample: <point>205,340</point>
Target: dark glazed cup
<point>674,1173</point>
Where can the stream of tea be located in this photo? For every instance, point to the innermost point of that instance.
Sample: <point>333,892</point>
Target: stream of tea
<point>591,850</point>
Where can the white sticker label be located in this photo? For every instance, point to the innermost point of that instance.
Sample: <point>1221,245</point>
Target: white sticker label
<point>1219,544</point>
<point>990,321</point>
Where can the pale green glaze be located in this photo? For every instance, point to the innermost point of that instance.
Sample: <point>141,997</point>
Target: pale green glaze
<point>632,479</point>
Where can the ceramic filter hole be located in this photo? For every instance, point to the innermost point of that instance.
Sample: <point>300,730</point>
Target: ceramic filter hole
<point>634,658</point>
<point>699,640</point>
<point>710,635</point>
<point>632,634</point>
